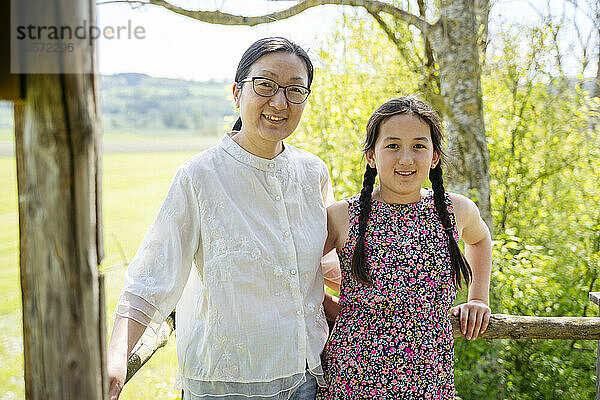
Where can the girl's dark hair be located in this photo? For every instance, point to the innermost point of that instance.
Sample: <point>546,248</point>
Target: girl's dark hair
<point>407,105</point>
<point>263,47</point>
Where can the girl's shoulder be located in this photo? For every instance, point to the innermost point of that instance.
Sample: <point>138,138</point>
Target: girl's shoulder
<point>338,210</point>
<point>337,224</point>
<point>463,206</point>
<point>468,219</point>
<point>203,164</point>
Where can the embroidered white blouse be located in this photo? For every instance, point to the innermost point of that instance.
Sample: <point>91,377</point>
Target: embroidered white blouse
<point>236,248</point>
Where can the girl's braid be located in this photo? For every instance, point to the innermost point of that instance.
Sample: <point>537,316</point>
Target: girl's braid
<point>359,265</point>
<point>460,266</point>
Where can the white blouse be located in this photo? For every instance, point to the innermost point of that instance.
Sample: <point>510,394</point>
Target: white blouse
<point>236,248</point>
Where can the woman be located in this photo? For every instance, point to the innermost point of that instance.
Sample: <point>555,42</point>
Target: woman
<point>236,247</point>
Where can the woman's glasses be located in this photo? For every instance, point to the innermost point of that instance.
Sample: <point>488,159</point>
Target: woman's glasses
<point>266,87</point>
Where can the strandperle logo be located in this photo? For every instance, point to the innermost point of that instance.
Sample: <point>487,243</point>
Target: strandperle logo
<point>83,31</point>
<point>65,40</point>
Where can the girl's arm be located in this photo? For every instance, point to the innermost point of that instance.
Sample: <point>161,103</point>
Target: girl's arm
<point>337,232</point>
<point>475,314</point>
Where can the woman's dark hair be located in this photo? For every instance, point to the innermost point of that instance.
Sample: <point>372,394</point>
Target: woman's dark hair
<point>407,105</point>
<point>263,47</point>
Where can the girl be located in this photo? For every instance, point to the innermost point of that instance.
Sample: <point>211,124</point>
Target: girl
<point>401,265</point>
<point>236,246</point>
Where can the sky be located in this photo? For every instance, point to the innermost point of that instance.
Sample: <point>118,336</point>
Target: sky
<point>179,47</point>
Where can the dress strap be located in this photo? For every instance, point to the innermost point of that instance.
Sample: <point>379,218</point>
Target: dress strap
<point>353,205</point>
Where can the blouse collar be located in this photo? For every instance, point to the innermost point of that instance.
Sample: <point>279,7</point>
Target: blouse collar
<point>263,164</point>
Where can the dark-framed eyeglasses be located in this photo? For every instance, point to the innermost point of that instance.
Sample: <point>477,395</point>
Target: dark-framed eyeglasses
<point>266,87</point>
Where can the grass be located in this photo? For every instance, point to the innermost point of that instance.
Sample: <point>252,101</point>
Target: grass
<point>134,186</point>
<point>7,135</point>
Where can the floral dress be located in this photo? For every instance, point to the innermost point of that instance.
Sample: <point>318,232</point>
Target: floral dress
<point>394,340</point>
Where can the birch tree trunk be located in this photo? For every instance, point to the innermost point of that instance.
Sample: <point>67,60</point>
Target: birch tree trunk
<point>457,49</point>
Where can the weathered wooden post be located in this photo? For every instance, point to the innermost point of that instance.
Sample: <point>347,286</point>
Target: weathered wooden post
<point>57,126</point>
<point>595,298</point>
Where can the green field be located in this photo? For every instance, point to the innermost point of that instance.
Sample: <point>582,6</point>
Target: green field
<point>7,135</point>
<point>133,188</point>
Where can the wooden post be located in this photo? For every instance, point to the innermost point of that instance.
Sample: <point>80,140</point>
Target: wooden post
<point>57,128</point>
<point>595,298</point>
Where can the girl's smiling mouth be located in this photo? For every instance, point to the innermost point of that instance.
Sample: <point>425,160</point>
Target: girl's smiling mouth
<point>405,173</point>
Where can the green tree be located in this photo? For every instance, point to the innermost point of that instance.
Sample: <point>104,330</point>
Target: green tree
<point>546,205</point>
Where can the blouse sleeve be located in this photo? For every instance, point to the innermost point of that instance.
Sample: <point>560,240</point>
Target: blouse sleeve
<point>159,271</point>
<point>326,187</point>
<point>330,263</point>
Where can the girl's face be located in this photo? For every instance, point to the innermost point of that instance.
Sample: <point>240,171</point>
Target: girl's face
<point>271,119</point>
<point>403,156</point>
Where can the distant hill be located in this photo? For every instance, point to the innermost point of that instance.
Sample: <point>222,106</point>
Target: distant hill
<point>145,104</point>
<point>140,101</point>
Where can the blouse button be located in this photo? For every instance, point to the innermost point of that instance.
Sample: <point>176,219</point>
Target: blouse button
<point>271,165</point>
<point>277,198</point>
<point>299,312</point>
<point>293,272</point>
<point>286,234</point>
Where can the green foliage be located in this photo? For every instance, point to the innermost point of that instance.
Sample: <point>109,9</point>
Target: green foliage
<point>546,204</point>
<point>346,91</point>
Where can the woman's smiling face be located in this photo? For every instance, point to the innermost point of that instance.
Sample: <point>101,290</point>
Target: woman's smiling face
<point>403,156</point>
<point>271,119</point>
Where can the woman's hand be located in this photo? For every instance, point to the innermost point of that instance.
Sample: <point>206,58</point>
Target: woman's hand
<point>116,360</point>
<point>126,333</point>
<point>474,317</point>
<point>116,379</point>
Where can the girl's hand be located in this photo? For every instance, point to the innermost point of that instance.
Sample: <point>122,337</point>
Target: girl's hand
<point>474,317</point>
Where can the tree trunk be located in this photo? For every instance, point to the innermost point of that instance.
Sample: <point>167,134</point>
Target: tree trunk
<point>457,50</point>
<point>596,90</point>
<point>56,137</point>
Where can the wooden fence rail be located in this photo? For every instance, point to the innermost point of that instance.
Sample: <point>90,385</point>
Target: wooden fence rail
<point>501,326</point>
